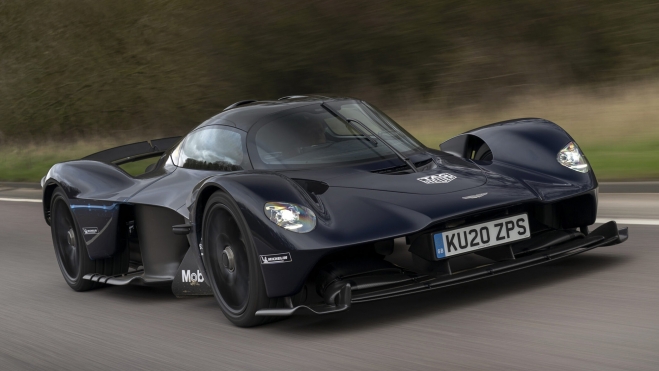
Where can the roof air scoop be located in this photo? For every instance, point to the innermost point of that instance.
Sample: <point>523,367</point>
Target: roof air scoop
<point>240,103</point>
<point>292,97</point>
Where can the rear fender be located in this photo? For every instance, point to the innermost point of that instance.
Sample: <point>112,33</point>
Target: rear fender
<point>95,191</point>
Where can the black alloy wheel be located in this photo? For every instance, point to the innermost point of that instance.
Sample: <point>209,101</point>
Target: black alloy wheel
<point>232,264</point>
<point>71,249</point>
<point>66,240</point>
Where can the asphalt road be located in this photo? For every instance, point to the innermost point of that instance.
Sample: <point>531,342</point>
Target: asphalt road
<point>596,311</point>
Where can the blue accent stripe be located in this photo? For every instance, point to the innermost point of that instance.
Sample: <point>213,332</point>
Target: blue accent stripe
<point>440,250</point>
<point>100,207</point>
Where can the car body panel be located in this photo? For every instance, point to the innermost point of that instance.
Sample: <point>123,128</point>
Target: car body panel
<point>358,206</point>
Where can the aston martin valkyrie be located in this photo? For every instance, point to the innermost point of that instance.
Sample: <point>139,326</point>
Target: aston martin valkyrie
<point>310,204</point>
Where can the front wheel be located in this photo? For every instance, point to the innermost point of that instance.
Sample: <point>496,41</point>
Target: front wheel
<point>232,264</point>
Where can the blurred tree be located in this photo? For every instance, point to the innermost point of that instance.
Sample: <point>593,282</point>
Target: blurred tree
<point>122,67</point>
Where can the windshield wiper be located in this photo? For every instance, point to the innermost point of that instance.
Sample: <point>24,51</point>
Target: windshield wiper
<point>392,148</point>
<point>363,133</point>
<point>352,123</point>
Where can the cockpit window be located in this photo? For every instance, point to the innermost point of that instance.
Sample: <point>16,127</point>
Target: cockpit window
<point>312,136</point>
<point>212,148</point>
<point>378,122</point>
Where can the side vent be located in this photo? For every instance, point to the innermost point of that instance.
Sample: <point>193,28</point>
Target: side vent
<point>404,169</point>
<point>312,187</point>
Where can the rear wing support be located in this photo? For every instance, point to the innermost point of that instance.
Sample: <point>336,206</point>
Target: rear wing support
<point>134,152</point>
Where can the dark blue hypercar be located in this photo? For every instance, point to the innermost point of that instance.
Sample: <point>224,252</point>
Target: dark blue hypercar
<point>312,204</point>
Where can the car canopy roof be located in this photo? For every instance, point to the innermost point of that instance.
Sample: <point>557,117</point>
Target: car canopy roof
<point>244,116</point>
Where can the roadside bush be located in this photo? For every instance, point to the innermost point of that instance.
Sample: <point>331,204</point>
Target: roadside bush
<point>72,69</point>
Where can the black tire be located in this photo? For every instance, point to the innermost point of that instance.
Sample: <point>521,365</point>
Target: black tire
<point>71,250</point>
<point>483,153</point>
<point>232,264</point>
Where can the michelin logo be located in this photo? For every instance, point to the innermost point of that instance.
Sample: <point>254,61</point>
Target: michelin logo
<point>90,230</point>
<point>276,258</point>
<point>192,277</point>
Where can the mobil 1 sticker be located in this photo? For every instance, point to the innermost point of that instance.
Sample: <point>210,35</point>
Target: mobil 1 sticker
<point>276,258</point>
<point>481,236</point>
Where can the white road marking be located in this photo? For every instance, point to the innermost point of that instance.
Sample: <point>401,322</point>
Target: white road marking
<point>629,221</point>
<point>20,199</point>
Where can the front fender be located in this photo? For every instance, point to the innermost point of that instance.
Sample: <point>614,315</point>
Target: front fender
<point>527,150</point>
<point>346,218</point>
<point>251,190</point>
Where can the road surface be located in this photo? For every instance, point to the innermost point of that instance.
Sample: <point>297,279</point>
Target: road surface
<point>596,311</point>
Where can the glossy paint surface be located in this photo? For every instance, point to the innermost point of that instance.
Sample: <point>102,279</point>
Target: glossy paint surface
<point>357,205</point>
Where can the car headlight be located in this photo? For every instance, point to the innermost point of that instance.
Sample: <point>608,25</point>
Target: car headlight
<point>289,216</point>
<point>571,157</point>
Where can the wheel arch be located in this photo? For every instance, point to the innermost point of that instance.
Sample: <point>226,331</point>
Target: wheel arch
<point>528,143</point>
<point>200,204</point>
<point>250,191</point>
<point>47,197</point>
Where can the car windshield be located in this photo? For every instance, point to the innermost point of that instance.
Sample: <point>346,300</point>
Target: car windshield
<point>313,136</point>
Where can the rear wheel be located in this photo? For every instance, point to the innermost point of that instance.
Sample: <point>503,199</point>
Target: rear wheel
<point>232,264</point>
<point>71,250</point>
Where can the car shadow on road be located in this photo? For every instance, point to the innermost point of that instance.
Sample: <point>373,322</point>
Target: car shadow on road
<point>136,294</point>
<point>388,311</point>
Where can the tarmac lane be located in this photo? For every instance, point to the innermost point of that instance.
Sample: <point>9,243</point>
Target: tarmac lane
<point>595,311</point>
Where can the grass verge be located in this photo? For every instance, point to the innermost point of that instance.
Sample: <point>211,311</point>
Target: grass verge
<point>616,128</point>
<point>29,163</point>
<point>628,160</point>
